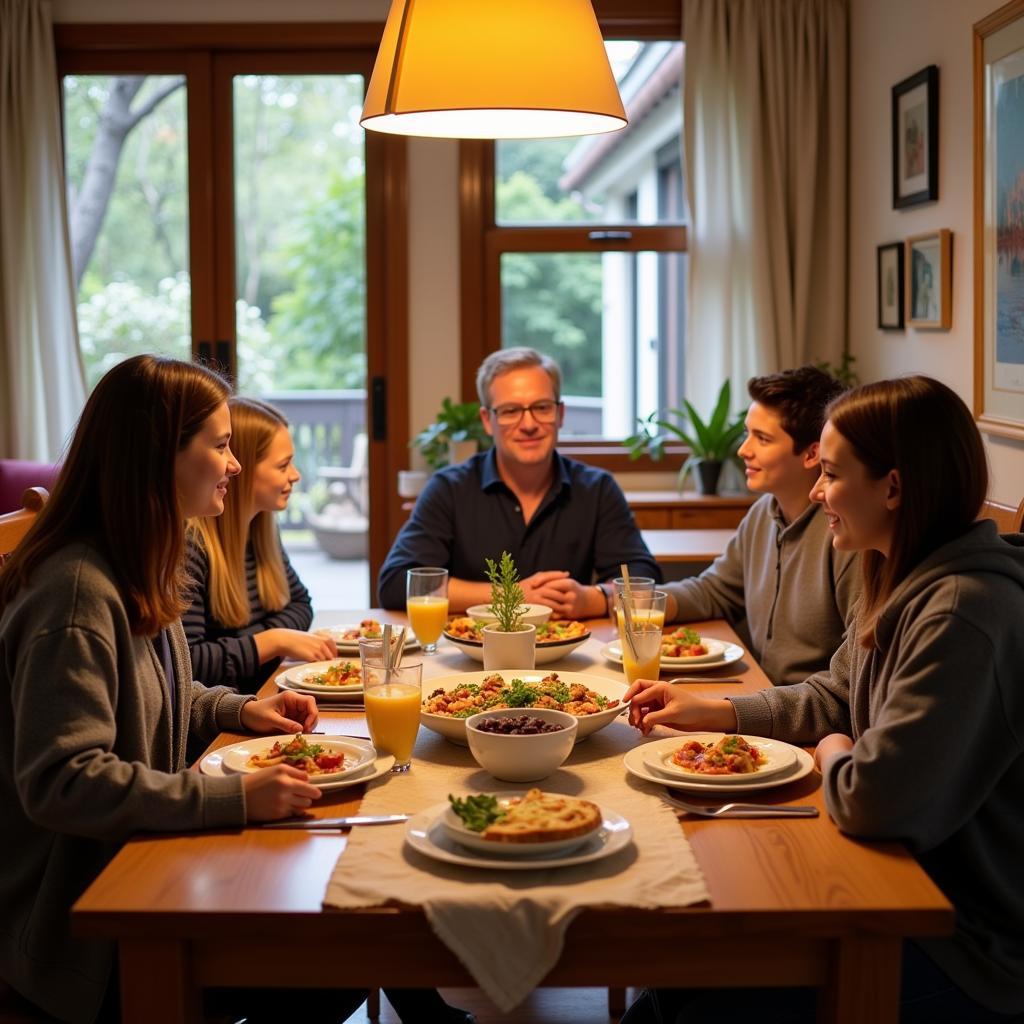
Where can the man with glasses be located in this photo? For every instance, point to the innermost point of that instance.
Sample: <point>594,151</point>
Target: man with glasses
<point>566,524</point>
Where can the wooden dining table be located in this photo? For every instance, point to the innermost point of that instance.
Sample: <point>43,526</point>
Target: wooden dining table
<point>793,902</point>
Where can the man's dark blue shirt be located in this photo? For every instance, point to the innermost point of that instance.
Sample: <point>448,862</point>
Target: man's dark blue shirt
<point>466,514</point>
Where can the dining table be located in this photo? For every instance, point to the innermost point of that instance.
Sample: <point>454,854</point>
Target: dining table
<point>791,901</point>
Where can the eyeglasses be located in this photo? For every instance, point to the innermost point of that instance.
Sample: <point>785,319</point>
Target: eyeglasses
<point>545,411</point>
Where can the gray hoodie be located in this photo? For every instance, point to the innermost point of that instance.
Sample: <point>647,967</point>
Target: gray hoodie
<point>795,591</point>
<point>937,718</point>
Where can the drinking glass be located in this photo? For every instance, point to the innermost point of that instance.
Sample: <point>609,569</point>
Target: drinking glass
<point>392,701</point>
<point>638,585</point>
<point>641,644</point>
<point>426,602</point>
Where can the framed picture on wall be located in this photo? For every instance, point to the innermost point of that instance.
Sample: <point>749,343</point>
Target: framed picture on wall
<point>915,139</point>
<point>890,286</point>
<point>929,277</point>
<point>999,221</point>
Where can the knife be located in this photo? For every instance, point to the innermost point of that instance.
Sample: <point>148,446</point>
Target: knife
<point>359,819</point>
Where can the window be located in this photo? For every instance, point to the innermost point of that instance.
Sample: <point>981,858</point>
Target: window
<point>577,247</point>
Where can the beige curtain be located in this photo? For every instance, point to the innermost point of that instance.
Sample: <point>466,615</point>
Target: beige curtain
<point>42,381</point>
<point>765,140</point>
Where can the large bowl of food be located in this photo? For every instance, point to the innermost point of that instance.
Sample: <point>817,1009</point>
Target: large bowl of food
<point>593,700</point>
<point>521,745</point>
<point>555,640</point>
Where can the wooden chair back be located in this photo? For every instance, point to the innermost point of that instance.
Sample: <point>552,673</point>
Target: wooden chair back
<point>1007,518</point>
<point>14,525</point>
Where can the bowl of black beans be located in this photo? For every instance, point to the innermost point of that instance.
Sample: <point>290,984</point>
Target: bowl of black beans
<point>521,744</point>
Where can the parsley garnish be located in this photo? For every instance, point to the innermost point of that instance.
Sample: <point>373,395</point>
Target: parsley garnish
<point>477,812</point>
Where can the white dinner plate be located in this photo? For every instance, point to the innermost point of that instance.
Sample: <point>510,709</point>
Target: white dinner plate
<point>322,695</point>
<point>427,834</point>
<point>634,762</point>
<point>213,764</point>
<point>474,841</point>
<point>454,729</point>
<point>658,758</point>
<point>732,653</point>
<point>301,677</point>
<point>544,654</point>
<point>352,646</point>
<point>716,652</point>
<point>357,754</point>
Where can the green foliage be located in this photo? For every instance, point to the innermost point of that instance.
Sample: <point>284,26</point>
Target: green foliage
<point>718,439</point>
<point>506,593</point>
<point>477,812</point>
<point>844,372</point>
<point>455,422</point>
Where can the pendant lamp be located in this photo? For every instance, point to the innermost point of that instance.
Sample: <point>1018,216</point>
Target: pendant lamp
<point>492,69</point>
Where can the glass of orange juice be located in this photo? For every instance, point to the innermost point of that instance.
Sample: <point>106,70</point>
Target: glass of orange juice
<point>641,640</point>
<point>393,700</point>
<point>426,602</point>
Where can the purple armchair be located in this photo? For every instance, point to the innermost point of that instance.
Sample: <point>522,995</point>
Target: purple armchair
<point>17,475</point>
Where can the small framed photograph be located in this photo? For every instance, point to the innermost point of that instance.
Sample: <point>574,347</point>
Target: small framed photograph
<point>929,277</point>
<point>915,139</point>
<point>890,286</point>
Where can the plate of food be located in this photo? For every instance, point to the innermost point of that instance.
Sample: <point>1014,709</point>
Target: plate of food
<point>376,765</point>
<point>554,639</point>
<point>348,635</point>
<point>635,763</point>
<point>594,700</point>
<point>434,834</point>
<point>725,654</point>
<point>323,757</point>
<point>725,759</point>
<point>342,675</point>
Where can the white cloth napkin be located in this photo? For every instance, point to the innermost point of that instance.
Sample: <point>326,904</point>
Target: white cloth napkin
<point>508,927</point>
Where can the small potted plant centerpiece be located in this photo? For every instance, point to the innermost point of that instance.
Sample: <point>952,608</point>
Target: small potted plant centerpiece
<point>508,642</point>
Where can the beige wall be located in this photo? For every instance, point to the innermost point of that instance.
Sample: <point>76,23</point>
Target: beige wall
<point>889,42</point>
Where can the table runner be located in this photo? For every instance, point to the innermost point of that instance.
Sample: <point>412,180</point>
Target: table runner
<point>508,928</point>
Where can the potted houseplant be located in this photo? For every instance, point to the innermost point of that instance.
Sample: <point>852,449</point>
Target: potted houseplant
<point>711,443</point>
<point>508,642</point>
<point>455,434</point>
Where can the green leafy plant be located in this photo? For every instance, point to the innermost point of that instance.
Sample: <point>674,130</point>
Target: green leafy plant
<point>844,372</point>
<point>454,423</point>
<point>716,440</point>
<point>506,593</point>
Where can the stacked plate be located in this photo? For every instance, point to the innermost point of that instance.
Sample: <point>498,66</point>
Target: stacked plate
<point>653,761</point>
<point>302,679</point>
<point>337,634</point>
<point>720,653</point>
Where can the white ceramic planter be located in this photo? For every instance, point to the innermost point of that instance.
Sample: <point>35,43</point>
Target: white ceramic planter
<point>411,482</point>
<point>509,650</point>
<point>459,451</point>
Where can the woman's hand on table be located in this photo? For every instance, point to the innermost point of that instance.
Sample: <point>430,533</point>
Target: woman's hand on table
<point>832,745</point>
<point>294,643</point>
<point>654,703</point>
<point>278,792</point>
<point>284,712</point>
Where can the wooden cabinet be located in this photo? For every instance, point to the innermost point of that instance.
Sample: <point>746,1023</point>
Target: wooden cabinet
<point>668,510</point>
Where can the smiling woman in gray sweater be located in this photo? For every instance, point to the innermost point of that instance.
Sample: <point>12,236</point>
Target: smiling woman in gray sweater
<point>96,692</point>
<point>919,719</point>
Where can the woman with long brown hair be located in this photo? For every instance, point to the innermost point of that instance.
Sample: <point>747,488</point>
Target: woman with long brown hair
<point>249,609</point>
<point>919,720</point>
<point>97,699</point>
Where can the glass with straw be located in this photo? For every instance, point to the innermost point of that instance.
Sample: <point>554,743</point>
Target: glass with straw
<point>392,693</point>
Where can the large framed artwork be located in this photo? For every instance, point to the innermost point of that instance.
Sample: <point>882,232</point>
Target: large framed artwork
<point>929,273</point>
<point>890,286</point>
<point>999,221</point>
<point>915,139</point>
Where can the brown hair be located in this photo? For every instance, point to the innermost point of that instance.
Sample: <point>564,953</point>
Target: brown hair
<point>117,488</point>
<point>800,398</point>
<point>923,430</point>
<point>253,427</point>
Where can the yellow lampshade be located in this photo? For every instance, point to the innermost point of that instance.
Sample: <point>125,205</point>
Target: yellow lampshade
<point>492,69</point>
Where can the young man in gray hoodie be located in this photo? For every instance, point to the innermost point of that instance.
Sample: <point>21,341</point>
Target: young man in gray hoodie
<point>779,581</point>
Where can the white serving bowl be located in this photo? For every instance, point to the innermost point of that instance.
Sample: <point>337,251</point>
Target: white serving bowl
<point>454,729</point>
<point>521,758</point>
<point>533,614</point>
<point>543,654</point>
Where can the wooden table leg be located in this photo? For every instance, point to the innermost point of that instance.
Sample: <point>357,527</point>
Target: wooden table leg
<point>157,984</point>
<point>863,982</point>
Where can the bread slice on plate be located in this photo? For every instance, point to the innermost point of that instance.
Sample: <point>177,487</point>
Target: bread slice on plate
<point>539,817</point>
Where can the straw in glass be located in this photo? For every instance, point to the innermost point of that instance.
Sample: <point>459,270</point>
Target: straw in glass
<point>627,610</point>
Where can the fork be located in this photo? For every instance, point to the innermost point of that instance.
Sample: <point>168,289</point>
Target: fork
<point>734,810</point>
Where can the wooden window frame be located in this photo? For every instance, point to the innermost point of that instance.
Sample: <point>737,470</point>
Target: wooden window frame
<point>482,241</point>
<point>209,51</point>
